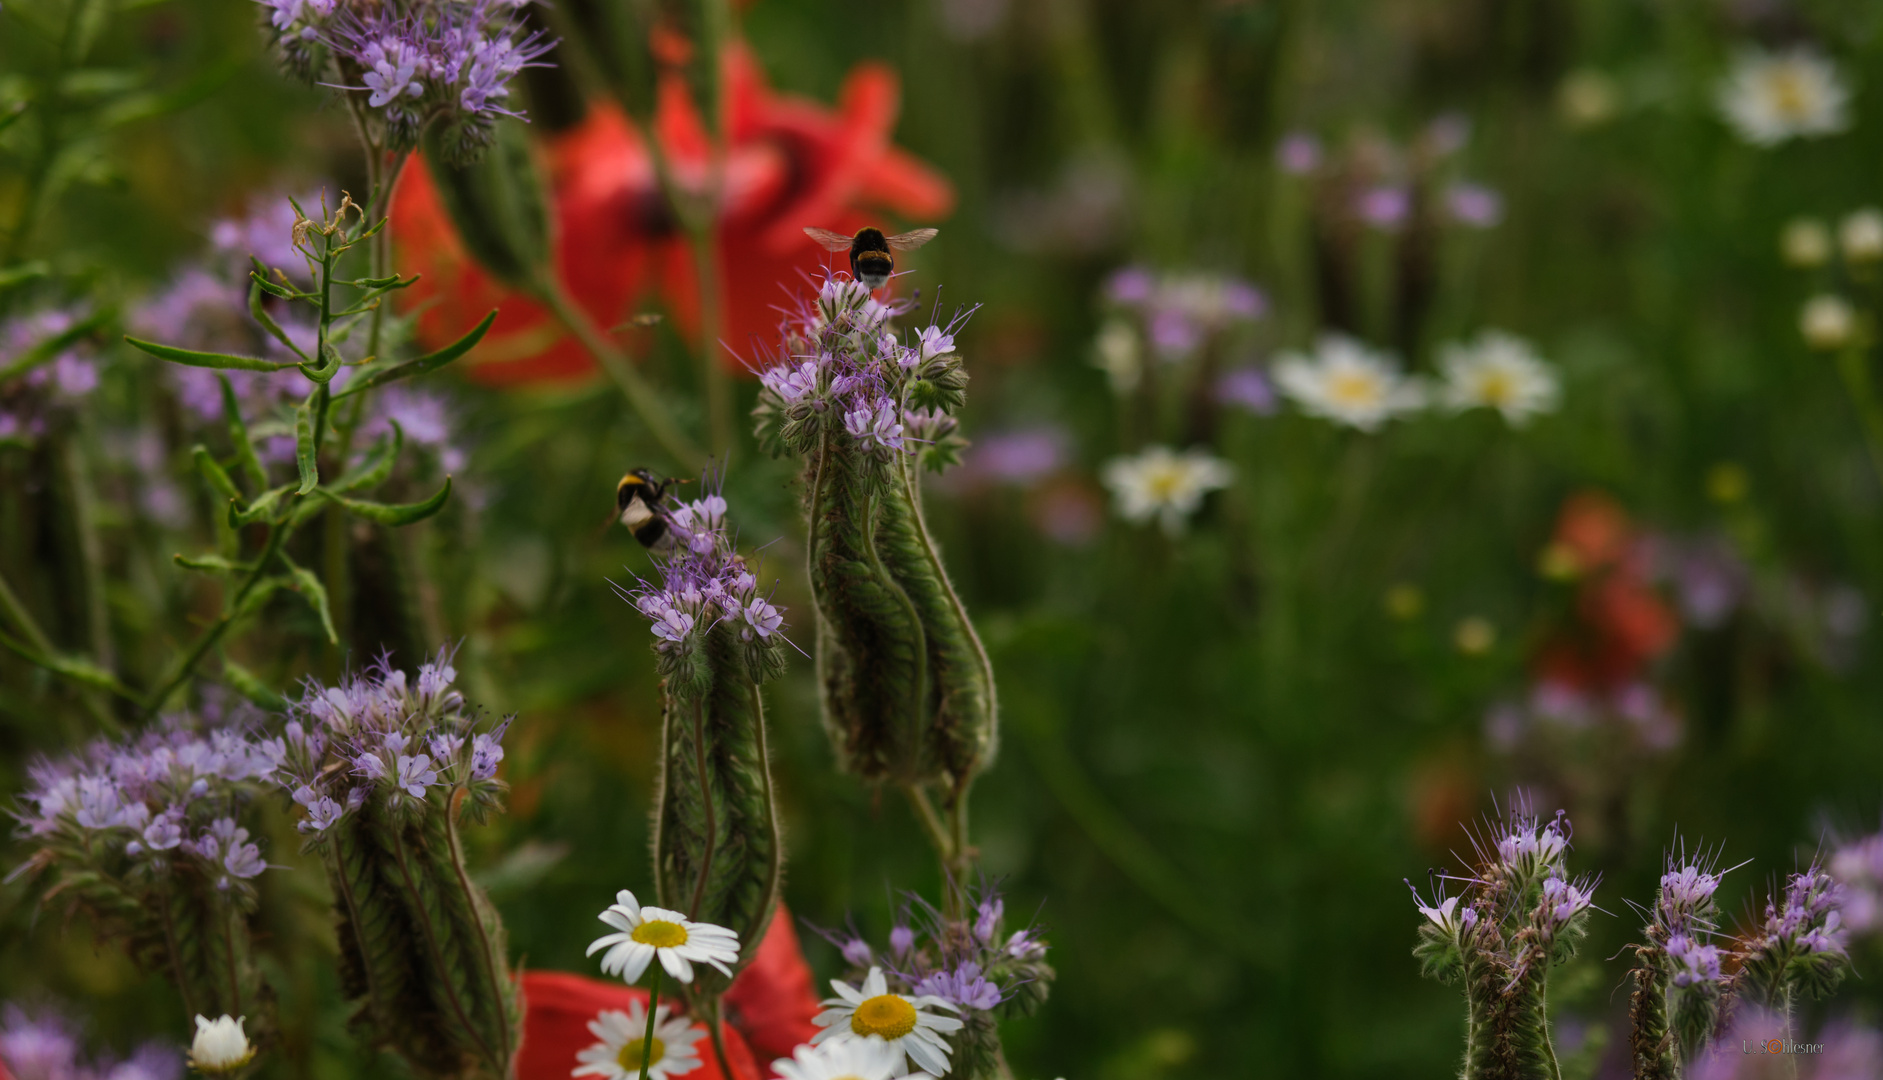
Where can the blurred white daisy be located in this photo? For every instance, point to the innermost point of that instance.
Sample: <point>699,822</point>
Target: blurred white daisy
<point>1805,242</point>
<point>620,1053</point>
<point>1348,383</point>
<point>1499,371</point>
<point>1827,322</point>
<point>912,1032</point>
<point>1118,353</point>
<point>1861,235</point>
<point>867,1058</point>
<point>649,932</point>
<point>1164,484</point>
<point>1771,97</point>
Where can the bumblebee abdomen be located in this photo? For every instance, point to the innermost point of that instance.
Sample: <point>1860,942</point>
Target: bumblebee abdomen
<point>872,268</point>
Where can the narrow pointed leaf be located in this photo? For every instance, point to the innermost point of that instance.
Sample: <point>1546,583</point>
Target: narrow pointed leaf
<point>309,586</point>
<point>214,564</point>
<point>238,434</point>
<point>20,273</point>
<point>192,358</point>
<point>260,314</point>
<point>393,513</point>
<point>304,449</point>
<point>244,682</point>
<point>376,466</point>
<point>262,509</point>
<point>213,472</point>
<point>428,362</point>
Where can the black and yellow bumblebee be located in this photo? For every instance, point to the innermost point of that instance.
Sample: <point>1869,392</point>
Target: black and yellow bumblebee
<point>871,258</point>
<point>640,501</point>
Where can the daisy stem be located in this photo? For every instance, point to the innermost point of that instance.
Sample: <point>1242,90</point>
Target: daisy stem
<point>647,1037</point>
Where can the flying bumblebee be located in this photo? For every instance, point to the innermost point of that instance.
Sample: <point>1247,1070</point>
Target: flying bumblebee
<point>640,502</point>
<point>871,258</point>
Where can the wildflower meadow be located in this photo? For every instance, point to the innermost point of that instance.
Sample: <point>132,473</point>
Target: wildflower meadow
<point>982,539</point>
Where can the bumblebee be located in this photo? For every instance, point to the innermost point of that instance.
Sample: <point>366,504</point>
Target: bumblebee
<point>640,503</point>
<point>871,253</point>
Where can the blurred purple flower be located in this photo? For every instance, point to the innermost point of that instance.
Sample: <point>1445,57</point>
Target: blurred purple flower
<point>266,233</point>
<point>151,1061</point>
<point>37,1047</point>
<point>1385,206</point>
<point>1174,333</point>
<point>1130,285</point>
<point>1710,580</point>
<point>1298,153</point>
<point>1247,388</point>
<point>1020,456</point>
<point>1069,514</point>
<point>1448,133</point>
<point>1474,205</point>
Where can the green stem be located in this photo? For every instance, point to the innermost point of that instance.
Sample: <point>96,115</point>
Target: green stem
<point>653,1002</point>
<point>712,319</point>
<point>277,535</point>
<point>641,396</point>
<point>1852,367</point>
<point>930,821</point>
<point>22,620</point>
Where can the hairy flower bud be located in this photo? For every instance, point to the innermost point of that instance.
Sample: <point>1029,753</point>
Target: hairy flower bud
<point>907,689</point>
<point>718,854</point>
<point>496,202</point>
<point>386,768</point>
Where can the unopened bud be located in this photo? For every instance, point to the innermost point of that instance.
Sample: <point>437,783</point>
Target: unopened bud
<point>220,1045</point>
<point>496,204</point>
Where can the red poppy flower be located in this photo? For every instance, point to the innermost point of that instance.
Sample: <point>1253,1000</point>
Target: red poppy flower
<point>770,1010</point>
<point>788,163</point>
<point>1620,623</point>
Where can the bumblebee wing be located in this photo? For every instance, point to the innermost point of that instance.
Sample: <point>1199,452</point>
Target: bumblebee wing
<point>912,239</point>
<point>831,241</point>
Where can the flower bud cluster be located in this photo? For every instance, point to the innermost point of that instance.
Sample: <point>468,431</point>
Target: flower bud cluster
<point>380,736</point>
<point>140,806</point>
<point>704,585</point>
<point>846,374</point>
<point>1809,920</point>
<point>148,835</point>
<point>416,62</point>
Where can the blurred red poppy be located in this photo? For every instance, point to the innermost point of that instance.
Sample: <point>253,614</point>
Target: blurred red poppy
<point>789,163</point>
<point>1620,623</point>
<point>769,1011</point>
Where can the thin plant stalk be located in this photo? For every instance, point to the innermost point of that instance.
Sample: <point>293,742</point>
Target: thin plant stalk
<point>647,1037</point>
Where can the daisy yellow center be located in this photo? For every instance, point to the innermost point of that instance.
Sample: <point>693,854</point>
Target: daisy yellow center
<point>630,1056</point>
<point>1790,95</point>
<point>1353,388</point>
<point>1496,387</point>
<point>886,1015</point>
<point>1164,484</point>
<point>660,934</point>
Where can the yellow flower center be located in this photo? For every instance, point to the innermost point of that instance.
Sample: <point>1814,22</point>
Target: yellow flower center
<point>1496,387</point>
<point>660,934</point>
<point>1354,388</point>
<point>630,1056</point>
<point>1790,96</point>
<point>887,1015</point>
<point>1164,484</point>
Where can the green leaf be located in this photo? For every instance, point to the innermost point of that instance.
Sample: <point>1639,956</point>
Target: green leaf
<point>244,682</point>
<point>238,434</point>
<point>20,273</point>
<point>262,509</point>
<point>45,350</point>
<point>258,597</point>
<point>393,513</point>
<point>328,367</point>
<point>309,586</point>
<point>192,358</point>
<point>213,564</point>
<point>213,472</point>
<point>428,362</point>
<point>260,313</point>
<point>377,465</point>
<point>304,449</point>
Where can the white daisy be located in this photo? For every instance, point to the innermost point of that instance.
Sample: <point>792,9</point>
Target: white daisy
<point>647,932</point>
<point>1348,383</point>
<point>912,1033</point>
<point>1165,484</point>
<point>1805,243</point>
<point>1861,235</point>
<point>619,1054</point>
<point>1827,322</point>
<point>867,1058</point>
<point>1499,371</point>
<point>1771,97</point>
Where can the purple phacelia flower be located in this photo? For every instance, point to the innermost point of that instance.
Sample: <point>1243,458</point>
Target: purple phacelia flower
<point>415,774</point>
<point>1298,153</point>
<point>1247,388</point>
<point>964,987</point>
<point>901,940</point>
<point>987,918</point>
<point>1474,205</point>
<point>487,753</point>
<point>1385,206</point>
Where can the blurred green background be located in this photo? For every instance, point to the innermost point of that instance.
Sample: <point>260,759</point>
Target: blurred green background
<point>1222,751</point>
